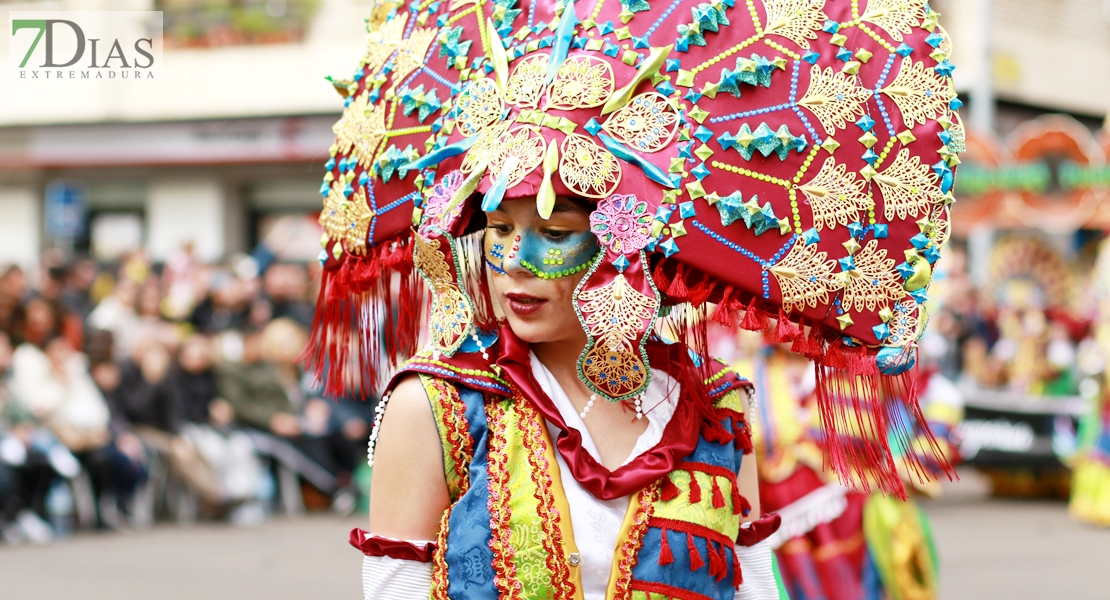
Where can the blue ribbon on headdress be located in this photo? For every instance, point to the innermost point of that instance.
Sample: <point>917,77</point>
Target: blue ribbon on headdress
<point>624,153</point>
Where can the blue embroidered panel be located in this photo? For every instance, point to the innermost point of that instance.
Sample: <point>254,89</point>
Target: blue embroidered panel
<point>468,556</point>
<point>678,573</point>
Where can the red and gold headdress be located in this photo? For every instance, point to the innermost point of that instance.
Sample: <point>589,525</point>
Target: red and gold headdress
<point>767,158</point>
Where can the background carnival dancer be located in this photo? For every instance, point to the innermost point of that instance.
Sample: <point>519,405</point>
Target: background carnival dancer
<point>646,171</point>
<point>835,542</point>
<point>1090,495</point>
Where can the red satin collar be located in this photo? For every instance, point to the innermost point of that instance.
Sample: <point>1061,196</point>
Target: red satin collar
<point>680,436</point>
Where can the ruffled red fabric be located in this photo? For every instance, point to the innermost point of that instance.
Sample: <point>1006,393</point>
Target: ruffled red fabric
<point>680,436</point>
<point>759,530</point>
<point>372,545</point>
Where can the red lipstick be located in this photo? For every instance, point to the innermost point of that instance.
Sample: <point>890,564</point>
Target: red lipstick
<point>523,304</point>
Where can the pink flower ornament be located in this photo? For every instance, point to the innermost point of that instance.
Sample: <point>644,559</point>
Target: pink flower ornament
<point>622,223</point>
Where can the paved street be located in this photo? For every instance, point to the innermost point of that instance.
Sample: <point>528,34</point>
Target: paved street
<point>1018,550</point>
<point>989,549</point>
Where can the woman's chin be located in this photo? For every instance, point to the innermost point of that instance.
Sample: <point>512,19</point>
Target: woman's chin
<point>534,329</point>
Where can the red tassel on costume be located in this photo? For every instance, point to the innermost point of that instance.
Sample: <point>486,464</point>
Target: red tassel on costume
<point>801,344</point>
<point>665,556</point>
<point>668,490</point>
<point>737,499</point>
<point>785,331</point>
<point>718,497</point>
<point>700,293</point>
<point>722,313</point>
<point>677,290</point>
<point>713,431</point>
<point>755,318</point>
<point>716,565</point>
<point>695,489</point>
<point>816,344</point>
<point>834,357</point>
<point>741,439</point>
<point>737,576</point>
<point>724,564</point>
<point>696,561</point>
<point>745,507</point>
<point>660,278</point>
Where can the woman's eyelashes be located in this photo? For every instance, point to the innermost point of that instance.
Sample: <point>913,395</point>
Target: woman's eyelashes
<point>500,228</point>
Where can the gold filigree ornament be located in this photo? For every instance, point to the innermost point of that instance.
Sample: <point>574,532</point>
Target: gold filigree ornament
<point>920,92</point>
<point>615,315</point>
<point>646,124</point>
<point>587,169</point>
<point>361,127</point>
<point>958,144</point>
<point>896,17</point>
<point>382,40</point>
<point>872,282</point>
<point>581,82</point>
<point>805,277</point>
<point>526,83</point>
<point>346,220</point>
<point>479,154</point>
<point>834,98</point>
<point>451,314</point>
<point>517,152</point>
<point>906,322</point>
<point>795,20</point>
<point>941,228</point>
<point>835,196</point>
<point>945,45</point>
<point>412,52</point>
<point>908,187</point>
<point>478,107</point>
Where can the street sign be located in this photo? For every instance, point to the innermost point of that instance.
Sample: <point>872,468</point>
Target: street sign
<point>66,211</point>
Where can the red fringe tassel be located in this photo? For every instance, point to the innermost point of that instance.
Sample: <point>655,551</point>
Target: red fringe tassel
<point>785,331</point>
<point>695,489</point>
<point>696,561</point>
<point>668,490</point>
<point>718,497</point>
<point>665,555</point>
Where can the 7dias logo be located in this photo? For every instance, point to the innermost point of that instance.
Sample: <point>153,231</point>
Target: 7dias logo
<point>102,45</point>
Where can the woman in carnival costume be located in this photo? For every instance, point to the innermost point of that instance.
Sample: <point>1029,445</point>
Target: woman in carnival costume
<point>834,542</point>
<point>564,182</point>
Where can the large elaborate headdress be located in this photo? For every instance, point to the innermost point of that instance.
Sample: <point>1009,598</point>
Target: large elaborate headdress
<point>767,158</point>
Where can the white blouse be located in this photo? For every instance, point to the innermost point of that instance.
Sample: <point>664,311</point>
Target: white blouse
<point>596,523</point>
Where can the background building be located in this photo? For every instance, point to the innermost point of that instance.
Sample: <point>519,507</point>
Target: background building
<point>233,137</point>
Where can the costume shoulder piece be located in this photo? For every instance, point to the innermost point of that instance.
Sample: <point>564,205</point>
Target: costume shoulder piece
<point>772,163</point>
<point>467,369</point>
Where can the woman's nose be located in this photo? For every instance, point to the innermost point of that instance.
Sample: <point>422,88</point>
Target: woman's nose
<point>513,262</point>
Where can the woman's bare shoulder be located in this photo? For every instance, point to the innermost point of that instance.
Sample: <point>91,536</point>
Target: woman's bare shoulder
<point>408,491</point>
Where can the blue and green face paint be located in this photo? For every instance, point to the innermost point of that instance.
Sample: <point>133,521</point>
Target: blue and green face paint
<point>547,252</point>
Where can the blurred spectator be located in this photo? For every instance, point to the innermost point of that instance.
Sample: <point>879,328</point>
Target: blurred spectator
<point>286,287</point>
<point>116,314</point>
<point>152,327</point>
<point>179,278</point>
<point>76,293</point>
<point>225,306</point>
<point>39,318</point>
<point>13,288</point>
<point>143,396</point>
<point>51,380</point>
<point>123,370</point>
<point>265,391</point>
<point>192,382</point>
<point>31,462</point>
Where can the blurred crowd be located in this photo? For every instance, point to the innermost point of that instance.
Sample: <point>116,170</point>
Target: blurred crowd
<point>133,391</point>
<point>1019,334</point>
